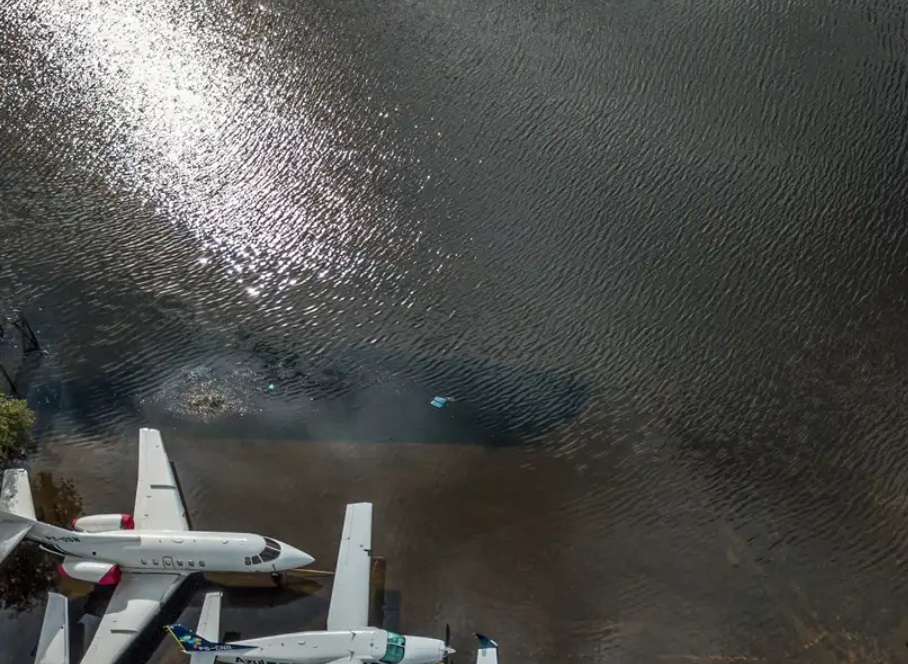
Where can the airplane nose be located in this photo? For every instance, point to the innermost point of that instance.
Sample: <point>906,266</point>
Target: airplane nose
<point>297,558</point>
<point>448,650</point>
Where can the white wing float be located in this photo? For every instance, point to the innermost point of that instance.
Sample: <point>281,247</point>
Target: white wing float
<point>139,597</point>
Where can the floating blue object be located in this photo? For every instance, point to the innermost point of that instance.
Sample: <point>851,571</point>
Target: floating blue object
<point>439,402</point>
<point>271,388</point>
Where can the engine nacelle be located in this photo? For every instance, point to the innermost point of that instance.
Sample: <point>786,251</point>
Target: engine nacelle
<point>102,523</point>
<point>92,571</point>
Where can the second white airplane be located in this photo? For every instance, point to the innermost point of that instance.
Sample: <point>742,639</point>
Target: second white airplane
<point>146,555</point>
<point>348,639</point>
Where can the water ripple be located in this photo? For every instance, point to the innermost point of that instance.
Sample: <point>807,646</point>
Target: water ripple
<point>654,253</point>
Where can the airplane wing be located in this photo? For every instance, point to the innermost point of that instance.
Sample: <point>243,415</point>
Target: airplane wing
<point>209,627</point>
<point>210,618</point>
<point>158,502</point>
<point>203,658</point>
<point>349,608</point>
<point>137,600</point>
<point>53,644</point>
<point>487,652</point>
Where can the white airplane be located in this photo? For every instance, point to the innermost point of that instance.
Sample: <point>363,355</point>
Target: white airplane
<point>53,645</point>
<point>348,639</point>
<point>147,555</point>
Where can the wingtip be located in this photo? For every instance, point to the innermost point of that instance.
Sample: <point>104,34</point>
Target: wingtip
<point>485,642</point>
<point>57,602</point>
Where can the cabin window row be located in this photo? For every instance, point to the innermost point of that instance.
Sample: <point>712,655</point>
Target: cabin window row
<point>176,562</point>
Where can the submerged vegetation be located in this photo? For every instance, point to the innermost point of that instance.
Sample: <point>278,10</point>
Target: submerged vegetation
<point>16,421</point>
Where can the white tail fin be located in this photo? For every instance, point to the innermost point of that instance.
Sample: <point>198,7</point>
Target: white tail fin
<point>16,494</point>
<point>53,645</point>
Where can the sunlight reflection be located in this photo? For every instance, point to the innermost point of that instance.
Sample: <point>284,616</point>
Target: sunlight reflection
<point>174,106</point>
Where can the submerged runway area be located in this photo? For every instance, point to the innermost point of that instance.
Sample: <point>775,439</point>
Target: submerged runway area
<point>654,255</point>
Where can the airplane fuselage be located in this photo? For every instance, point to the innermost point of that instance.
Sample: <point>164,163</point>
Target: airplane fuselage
<point>367,645</point>
<point>169,552</point>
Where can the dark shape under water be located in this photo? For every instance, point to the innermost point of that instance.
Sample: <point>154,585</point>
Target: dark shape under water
<point>360,394</point>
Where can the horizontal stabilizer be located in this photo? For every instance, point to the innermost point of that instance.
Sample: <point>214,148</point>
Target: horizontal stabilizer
<point>487,652</point>
<point>17,511</point>
<point>53,645</point>
<point>16,494</point>
<point>11,533</point>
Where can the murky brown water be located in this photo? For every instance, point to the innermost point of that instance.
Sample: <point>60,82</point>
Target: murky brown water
<point>656,252</point>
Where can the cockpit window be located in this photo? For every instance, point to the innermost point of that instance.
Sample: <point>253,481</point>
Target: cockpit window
<point>395,650</point>
<point>272,550</point>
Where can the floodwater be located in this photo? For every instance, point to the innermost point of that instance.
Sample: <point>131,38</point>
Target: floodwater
<point>656,252</point>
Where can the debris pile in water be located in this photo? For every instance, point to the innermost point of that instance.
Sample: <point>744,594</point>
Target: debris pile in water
<point>209,392</point>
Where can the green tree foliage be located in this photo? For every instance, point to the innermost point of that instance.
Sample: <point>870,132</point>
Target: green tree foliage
<point>16,421</point>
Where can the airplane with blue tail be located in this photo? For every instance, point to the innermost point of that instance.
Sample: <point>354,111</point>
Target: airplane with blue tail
<point>348,638</point>
<point>191,642</point>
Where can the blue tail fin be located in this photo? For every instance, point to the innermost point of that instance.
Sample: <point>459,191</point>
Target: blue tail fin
<point>191,642</point>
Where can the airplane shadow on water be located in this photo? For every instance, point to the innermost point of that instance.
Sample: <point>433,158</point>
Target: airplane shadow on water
<point>273,390</point>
